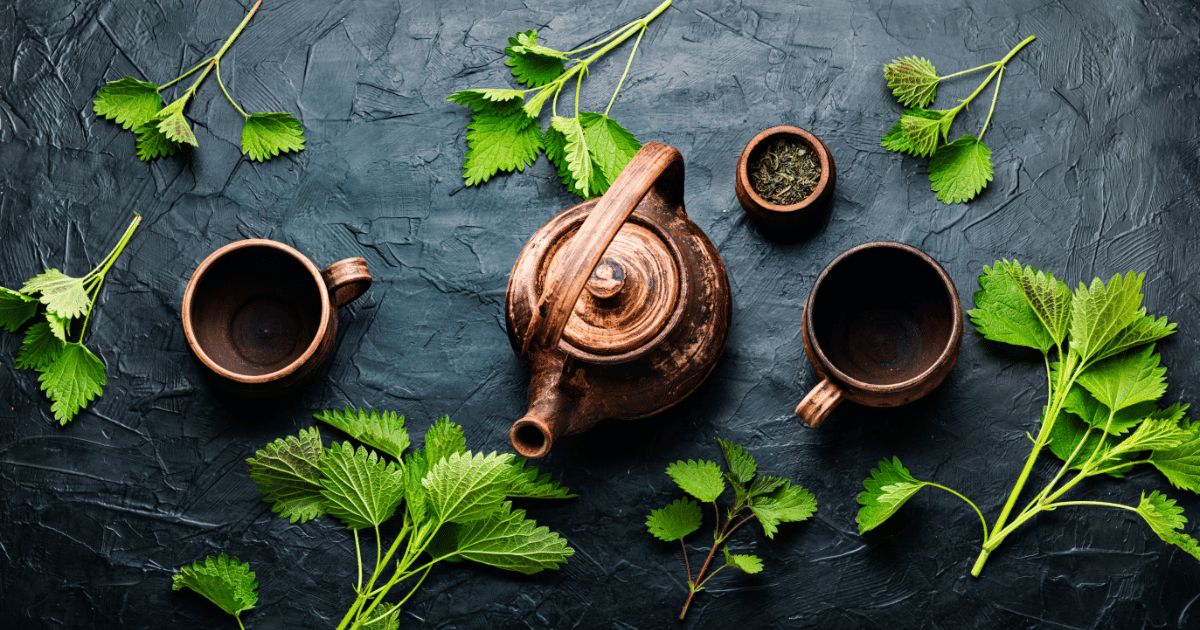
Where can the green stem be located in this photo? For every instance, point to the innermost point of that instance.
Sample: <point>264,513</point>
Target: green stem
<point>710,576</point>
<point>378,548</point>
<point>626,72</point>
<point>358,553</point>
<point>215,60</point>
<point>578,85</point>
<point>1093,503</point>
<point>604,41</point>
<point>999,66</point>
<point>243,112</point>
<point>995,95</point>
<point>975,69</point>
<point>184,75</point>
<point>969,502</point>
<point>624,34</point>
<point>107,264</point>
<point>361,599</point>
<point>239,620</point>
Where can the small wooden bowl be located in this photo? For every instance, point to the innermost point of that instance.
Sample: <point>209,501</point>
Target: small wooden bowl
<point>798,215</point>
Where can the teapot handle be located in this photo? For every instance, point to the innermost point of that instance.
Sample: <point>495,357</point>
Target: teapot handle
<point>564,286</point>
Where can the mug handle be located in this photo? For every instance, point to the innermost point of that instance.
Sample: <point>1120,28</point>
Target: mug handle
<point>820,402</point>
<point>346,280</point>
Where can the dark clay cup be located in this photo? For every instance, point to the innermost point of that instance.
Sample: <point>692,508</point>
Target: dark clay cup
<point>262,318</point>
<point>882,327</point>
<point>792,218</point>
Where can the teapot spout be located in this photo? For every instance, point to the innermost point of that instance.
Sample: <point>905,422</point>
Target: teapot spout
<point>549,417</point>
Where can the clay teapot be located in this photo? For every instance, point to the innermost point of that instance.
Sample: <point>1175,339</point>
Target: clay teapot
<point>620,305</point>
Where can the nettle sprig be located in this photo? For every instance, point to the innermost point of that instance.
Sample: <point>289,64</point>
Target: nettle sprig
<point>1101,417</point>
<point>772,500</point>
<point>958,170</point>
<point>455,507</point>
<point>71,375</point>
<point>160,130</point>
<point>589,150</point>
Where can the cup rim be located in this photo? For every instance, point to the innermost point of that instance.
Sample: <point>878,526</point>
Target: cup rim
<point>198,275</point>
<point>813,142</point>
<point>947,350</point>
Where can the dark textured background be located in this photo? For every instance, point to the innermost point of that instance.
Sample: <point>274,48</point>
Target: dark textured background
<point>1097,146</point>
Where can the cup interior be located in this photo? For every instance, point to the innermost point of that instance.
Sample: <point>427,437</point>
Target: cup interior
<point>882,316</point>
<point>256,310</point>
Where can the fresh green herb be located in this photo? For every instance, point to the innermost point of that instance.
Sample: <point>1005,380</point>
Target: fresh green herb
<point>589,150</point>
<point>958,170</point>
<point>773,500</point>
<point>224,581</point>
<point>71,375</point>
<point>785,173</point>
<point>160,130</point>
<point>1102,418</point>
<point>454,502</point>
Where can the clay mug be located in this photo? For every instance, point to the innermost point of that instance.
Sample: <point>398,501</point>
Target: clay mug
<point>882,327</point>
<point>262,318</point>
<point>789,218</point>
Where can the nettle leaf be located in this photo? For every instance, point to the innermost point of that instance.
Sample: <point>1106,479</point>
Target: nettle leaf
<point>765,485</point>
<point>386,616</point>
<point>675,521</point>
<point>384,431</point>
<point>360,489</point>
<point>1156,435</point>
<point>921,130</point>
<point>555,144</point>
<point>788,504</point>
<point>913,80</point>
<point>612,146</point>
<point>265,136</point>
<point>1126,379</point>
<point>749,564</point>
<point>1003,311</point>
<point>895,140</point>
<point>533,64</point>
<point>58,325</point>
<point>1144,329</point>
<point>1166,519</point>
<point>1096,413</point>
<point>741,465</point>
<point>526,483</point>
<point>701,479</point>
<point>40,349</point>
<point>533,106</point>
<point>64,295</point>
<point>1066,437</point>
<point>15,309</point>
<point>1100,312</point>
<point>507,540</point>
<point>576,153</point>
<point>128,101</point>
<point>959,170</point>
<point>415,469</point>
<point>73,380</point>
<point>464,488</point>
<point>889,487</point>
<point>171,122</point>
<point>288,473</point>
<point>501,135</point>
<point>444,439</point>
<point>1181,464</point>
<point>152,142</point>
<point>224,581</point>
<point>1049,297</point>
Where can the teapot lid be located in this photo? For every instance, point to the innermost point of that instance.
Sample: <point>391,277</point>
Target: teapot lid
<point>631,300</point>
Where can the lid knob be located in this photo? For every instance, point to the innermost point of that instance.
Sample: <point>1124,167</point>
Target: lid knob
<point>607,280</point>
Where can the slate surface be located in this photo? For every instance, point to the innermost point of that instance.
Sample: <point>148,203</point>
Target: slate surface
<point>1097,145</point>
